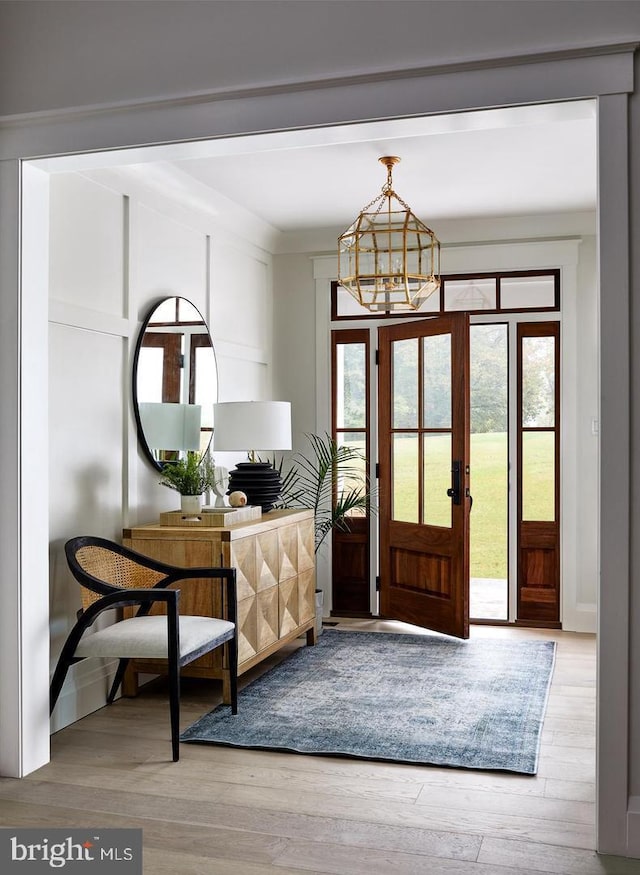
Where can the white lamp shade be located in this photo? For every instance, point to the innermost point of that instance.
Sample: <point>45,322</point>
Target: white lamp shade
<point>170,426</point>
<point>252,425</point>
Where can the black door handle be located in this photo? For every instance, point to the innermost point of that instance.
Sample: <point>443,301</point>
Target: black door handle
<point>454,492</point>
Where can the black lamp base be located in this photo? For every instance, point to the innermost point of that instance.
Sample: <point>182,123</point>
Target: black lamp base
<point>259,481</point>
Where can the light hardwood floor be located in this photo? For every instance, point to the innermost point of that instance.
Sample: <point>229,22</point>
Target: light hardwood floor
<point>220,810</point>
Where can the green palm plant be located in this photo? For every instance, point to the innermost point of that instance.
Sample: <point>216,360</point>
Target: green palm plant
<point>330,481</point>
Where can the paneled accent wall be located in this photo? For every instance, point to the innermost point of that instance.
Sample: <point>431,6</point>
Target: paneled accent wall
<point>115,250</point>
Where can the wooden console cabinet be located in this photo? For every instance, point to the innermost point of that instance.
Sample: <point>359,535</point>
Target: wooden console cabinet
<point>275,564</point>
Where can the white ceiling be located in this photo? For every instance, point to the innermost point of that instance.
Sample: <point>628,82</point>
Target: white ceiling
<point>513,161</point>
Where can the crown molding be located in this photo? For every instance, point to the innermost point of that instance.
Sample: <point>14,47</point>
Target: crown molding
<point>287,86</point>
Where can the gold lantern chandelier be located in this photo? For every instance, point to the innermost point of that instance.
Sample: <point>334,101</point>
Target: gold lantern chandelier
<point>388,259</point>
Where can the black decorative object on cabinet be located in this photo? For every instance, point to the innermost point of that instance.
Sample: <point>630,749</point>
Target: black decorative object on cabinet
<point>259,481</point>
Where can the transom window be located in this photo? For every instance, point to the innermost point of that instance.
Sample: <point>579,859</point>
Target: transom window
<point>500,292</point>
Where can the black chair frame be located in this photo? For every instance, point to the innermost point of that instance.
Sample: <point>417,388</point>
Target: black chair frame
<point>112,597</point>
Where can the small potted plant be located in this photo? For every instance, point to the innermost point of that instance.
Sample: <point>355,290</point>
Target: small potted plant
<point>190,476</point>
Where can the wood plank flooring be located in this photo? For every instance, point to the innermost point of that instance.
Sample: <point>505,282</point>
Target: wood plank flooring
<point>221,810</point>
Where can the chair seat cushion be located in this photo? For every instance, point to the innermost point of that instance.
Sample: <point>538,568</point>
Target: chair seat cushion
<point>146,637</point>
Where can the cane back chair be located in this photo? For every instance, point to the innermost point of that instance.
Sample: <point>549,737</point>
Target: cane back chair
<point>112,576</point>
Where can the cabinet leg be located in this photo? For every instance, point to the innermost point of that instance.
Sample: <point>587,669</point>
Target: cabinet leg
<point>312,637</point>
<point>226,687</point>
<point>130,682</point>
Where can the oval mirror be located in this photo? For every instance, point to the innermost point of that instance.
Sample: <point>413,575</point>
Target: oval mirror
<point>175,382</point>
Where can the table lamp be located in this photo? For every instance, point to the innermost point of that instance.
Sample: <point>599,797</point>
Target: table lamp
<point>252,426</point>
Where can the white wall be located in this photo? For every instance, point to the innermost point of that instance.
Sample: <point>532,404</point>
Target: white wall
<point>114,251</point>
<point>295,324</point>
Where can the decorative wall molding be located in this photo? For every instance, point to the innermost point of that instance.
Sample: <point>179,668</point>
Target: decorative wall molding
<point>147,246</point>
<point>589,52</point>
<point>163,186</point>
<point>88,319</point>
<point>241,352</point>
<point>567,74</point>
<point>490,255</point>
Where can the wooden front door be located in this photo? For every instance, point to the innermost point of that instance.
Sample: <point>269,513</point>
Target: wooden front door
<point>424,473</point>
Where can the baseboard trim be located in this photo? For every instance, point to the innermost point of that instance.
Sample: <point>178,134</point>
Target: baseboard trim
<point>633,827</point>
<point>83,694</point>
<point>352,615</point>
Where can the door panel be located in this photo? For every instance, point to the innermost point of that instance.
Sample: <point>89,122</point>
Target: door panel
<point>350,418</point>
<point>350,564</point>
<point>538,473</point>
<point>424,437</point>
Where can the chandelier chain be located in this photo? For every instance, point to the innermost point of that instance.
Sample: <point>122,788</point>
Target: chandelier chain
<point>387,193</point>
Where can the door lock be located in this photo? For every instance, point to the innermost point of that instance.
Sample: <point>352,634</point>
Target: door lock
<point>455,491</point>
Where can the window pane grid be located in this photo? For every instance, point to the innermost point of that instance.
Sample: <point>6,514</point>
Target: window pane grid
<point>350,382</point>
<point>498,292</point>
<point>538,422</point>
<point>436,468</point>
<point>538,476</point>
<point>350,397</point>
<point>420,431</point>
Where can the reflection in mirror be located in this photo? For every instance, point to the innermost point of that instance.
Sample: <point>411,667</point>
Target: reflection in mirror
<point>175,382</point>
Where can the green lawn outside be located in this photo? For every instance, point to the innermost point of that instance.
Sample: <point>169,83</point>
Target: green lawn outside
<point>488,523</point>
<point>488,533</point>
<point>488,487</point>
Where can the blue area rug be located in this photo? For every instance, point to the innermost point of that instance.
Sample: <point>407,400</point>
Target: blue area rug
<point>418,699</point>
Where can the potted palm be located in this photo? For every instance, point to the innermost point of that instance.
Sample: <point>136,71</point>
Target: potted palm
<point>331,481</point>
<point>190,475</point>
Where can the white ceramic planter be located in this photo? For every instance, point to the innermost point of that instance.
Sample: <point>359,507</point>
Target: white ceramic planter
<point>191,504</point>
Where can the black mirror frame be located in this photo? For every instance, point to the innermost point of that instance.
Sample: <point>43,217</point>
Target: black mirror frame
<point>134,375</point>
